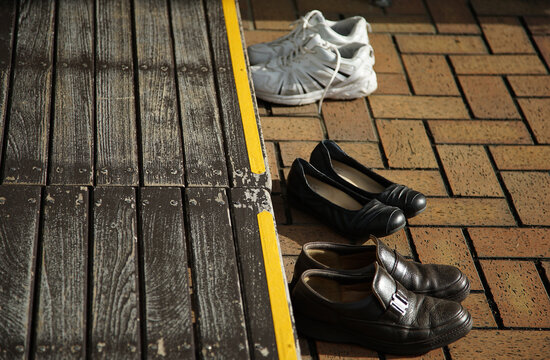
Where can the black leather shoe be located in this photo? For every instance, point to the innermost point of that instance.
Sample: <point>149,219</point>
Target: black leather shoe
<point>331,160</point>
<point>376,312</point>
<point>441,281</point>
<point>347,212</point>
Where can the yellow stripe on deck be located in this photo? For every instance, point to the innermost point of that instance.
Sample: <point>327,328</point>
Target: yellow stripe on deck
<point>286,347</point>
<point>251,134</point>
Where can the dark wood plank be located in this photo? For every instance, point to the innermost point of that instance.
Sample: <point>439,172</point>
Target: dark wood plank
<point>7,29</point>
<point>117,159</point>
<point>161,141</point>
<point>216,287</point>
<point>26,155</point>
<point>205,162</point>
<point>60,324</point>
<point>239,168</point>
<point>115,313</point>
<point>167,297</point>
<point>72,157</point>
<point>246,203</point>
<point>19,213</point>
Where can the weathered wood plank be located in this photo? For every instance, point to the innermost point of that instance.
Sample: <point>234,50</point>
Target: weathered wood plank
<point>246,204</point>
<point>167,298</point>
<point>117,159</point>
<point>216,287</point>
<point>19,213</point>
<point>72,157</point>
<point>161,141</point>
<point>205,162</point>
<point>7,29</point>
<point>60,326</point>
<point>115,313</point>
<point>239,168</point>
<point>26,155</point>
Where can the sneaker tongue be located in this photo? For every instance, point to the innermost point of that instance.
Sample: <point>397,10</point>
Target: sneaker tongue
<point>383,286</point>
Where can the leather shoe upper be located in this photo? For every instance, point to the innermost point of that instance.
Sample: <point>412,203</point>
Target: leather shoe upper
<point>375,311</point>
<point>372,217</point>
<point>442,281</point>
<point>410,201</point>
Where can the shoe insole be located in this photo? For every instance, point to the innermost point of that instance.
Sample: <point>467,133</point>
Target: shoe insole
<point>333,194</point>
<point>357,178</point>
<point>334,291</point>
<point>337,261</point>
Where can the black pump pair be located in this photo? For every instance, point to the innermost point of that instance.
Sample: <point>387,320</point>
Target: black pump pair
<point>345,194</point>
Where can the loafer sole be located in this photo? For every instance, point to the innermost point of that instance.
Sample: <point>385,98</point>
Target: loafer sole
<point>319,330</point>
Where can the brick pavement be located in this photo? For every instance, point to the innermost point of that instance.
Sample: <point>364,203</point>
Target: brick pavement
<point>462,113</point>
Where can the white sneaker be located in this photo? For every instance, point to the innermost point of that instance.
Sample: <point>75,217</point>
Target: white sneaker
<point>339,33</point>
<point>315,71</point>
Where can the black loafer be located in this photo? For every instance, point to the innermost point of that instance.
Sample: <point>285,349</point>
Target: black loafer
<point>331,160</point>
<point>349,213</point>
<point>441,281</point>
<point>376,312</point>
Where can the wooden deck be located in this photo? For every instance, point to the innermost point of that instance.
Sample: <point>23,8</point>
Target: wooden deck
<point>135,216</point>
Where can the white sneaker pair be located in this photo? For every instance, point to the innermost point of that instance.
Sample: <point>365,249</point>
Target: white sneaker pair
<point>319,59</point>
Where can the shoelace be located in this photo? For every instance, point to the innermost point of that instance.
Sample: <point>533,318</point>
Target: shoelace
<point>302,50</point>
<point>300,29</point>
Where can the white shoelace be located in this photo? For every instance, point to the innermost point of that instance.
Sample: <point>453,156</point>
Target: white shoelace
<point>300,29</point>
<point>336,69</point>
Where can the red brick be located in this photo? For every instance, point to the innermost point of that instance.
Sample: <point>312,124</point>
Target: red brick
<point>446,246</point>
<point>497,64</point>
<point>511,242</point>
<point>464,212</point>
<point>293,237</point>
<point>401,24</point>
<point>392,84</point>
<point>518,292</point>
<point>502,344</point>
<point>430,75</point>
<point>479,132</point>
<point>309,109</point>
<point>537,113</point>
<point>479,308</point>
<point>436,354</point>
<point>506,35</point>
<point>399,242</point>
<point>291,128</point>
<point>348,120</point>
<point>531,195</point>
<point>453,16</point>
<point>488,97</point>
<point>273,15</point>
<point>543,43</point>
<point>256,37</point>
<point>289,262</point>
<point>469,170</point>
<point>417,107</point>
<point>246,15</point>
<point>279,208</point>
<point>522,157</point>
<point>538,25</point>
<point>347,8</point>
<point>530,85</point>
<point>367,154</point>
<point>428,182</point>
<point>406,144</point>
<point>511,7</point>
<point>387,59</point>
<point>332,351</point>
<point>441,44</point>
<point>408,7</point>
<point>272,163</point>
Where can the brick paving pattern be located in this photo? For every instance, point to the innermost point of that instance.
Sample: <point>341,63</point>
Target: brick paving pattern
<point>462,114</point>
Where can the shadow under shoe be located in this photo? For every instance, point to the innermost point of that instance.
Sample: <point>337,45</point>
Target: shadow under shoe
<point>331,160</point>
<point>441,281</point>
<point>349,213</point>
<point>376,312</point>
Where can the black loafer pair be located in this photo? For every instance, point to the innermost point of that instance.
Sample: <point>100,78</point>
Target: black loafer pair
<point>390,305</point>
<point>351,198</point>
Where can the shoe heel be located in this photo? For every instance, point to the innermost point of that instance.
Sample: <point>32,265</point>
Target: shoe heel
<point>319,330</point>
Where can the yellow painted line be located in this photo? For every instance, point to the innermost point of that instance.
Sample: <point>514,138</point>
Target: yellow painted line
<point>251,134</point>
<point>286,346</point>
